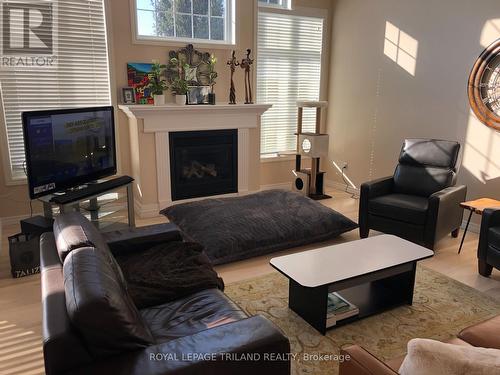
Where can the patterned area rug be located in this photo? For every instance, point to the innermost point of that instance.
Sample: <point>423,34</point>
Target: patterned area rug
<point>442,307</point>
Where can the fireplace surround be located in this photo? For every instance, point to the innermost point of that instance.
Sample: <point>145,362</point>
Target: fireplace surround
<point>149,130</point>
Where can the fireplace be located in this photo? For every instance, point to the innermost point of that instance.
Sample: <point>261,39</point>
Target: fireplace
<point>203,163</point>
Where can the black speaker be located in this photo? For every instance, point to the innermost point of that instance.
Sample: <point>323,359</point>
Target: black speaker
<point>24,253</point>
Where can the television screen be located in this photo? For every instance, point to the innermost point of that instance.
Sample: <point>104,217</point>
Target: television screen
<point>67,148</point>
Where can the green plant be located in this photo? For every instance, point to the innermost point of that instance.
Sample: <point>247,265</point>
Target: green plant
<point>212,74</point>
<point>179,86</point>
<point>156,83</point>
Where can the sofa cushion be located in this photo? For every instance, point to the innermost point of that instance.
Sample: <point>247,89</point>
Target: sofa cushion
<point>99,306</point>
<point>401,207</point>
<point>192,314</point>
<point>437,358</point>
<point>73,231</point>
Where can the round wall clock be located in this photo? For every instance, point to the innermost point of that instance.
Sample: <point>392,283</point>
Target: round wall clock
<point>484,86</point>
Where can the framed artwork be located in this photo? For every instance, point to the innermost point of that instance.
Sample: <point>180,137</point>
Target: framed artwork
<point>138,76</point>
<point>128,95</point>
<point>198,95</point>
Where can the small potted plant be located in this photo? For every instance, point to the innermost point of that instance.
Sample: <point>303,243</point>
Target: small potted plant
<point>157,84</point>
<point>212,76</point>
<point>179,88</point>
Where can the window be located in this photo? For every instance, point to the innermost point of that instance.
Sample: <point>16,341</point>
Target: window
<point>204,20</point>
<point>78,78</point>
<point>288,69</point>
<point>285,4</point>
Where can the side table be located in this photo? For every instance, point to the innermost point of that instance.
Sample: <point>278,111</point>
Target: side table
<point>476,206</point>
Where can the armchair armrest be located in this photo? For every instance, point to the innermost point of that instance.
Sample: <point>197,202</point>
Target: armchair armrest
<point>359,361</point>
<point>491,218</point>
<point>376,188</point>
<point>219,350</point>
<point>370,190</point>
<point>444,214</point>
<point>137,239</point>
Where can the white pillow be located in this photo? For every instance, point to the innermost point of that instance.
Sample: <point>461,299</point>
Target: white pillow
<point>427,357</point>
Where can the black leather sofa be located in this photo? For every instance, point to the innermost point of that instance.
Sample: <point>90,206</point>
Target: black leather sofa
<point>488,251</point>
<point>91,325</point>
<point>421,201</point>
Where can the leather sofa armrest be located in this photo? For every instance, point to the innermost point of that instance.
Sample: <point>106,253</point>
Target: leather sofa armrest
<point>491,218</point>
<point>359,361</point>
<point>485,334</point>
<point>445,213</point>
<point>219,350</point>
<point>137,239</point>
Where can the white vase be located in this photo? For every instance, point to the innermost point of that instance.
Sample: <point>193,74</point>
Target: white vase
<point>180,99</point>
<point>159,99</point>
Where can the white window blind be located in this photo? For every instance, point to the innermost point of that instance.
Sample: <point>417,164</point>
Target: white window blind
<point>288,69</point>
<point>80,77</point>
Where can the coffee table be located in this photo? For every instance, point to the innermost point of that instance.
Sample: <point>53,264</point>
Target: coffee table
<point>375,274</point>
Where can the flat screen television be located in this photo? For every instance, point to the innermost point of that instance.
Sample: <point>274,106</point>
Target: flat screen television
<point>68,147</point>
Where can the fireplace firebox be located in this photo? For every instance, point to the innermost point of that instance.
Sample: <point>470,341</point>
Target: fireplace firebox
<point>203,163</point>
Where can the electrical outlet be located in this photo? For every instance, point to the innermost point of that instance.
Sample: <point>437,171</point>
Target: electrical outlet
<point>344,165</point>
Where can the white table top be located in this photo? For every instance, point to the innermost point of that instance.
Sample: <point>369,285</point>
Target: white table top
<point>334,263</point>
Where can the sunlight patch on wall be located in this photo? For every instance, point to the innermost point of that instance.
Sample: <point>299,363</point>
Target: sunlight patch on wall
<point>490,32</point>
<point>401,48</point>
<point>482,151</point>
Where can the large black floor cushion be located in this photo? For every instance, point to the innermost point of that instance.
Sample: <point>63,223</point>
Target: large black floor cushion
<point>237,228</point>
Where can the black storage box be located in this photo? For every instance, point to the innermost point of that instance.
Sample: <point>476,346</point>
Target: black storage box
<point>24,252</point>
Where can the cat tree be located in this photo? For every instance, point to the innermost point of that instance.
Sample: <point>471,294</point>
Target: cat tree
<point>310,181</point>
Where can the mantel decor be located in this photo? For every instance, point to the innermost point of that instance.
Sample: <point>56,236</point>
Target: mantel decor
<point>189,64</point>
<point>484,86</point>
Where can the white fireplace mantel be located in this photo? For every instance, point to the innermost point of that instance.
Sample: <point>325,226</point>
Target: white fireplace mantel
<point>161,120</point>
<point>196,117</point>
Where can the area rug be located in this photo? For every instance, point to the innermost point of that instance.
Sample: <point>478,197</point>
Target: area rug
<point>442,307</point>
<point>237,228</point>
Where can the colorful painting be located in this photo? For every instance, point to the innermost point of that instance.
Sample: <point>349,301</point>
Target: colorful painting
<point>139,75</point>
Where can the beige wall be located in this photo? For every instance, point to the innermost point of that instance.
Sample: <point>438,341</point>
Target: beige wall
<point>14,199</point>
<point>375,103</point>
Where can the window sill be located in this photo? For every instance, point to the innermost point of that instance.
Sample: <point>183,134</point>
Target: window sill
<point>277,158</point>
<point>200,43</point>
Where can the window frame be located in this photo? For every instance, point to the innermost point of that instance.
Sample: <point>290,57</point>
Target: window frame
<point>324,84</point>
<point>230,29</point>
<point>275,6</point>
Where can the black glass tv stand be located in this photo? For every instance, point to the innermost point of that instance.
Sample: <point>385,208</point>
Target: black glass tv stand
<point>71,199</point>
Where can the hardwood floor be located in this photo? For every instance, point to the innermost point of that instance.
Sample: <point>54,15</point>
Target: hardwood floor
<point>20,308</point>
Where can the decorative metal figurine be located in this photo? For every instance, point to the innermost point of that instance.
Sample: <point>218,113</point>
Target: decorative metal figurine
<point>246,64</point>
<point>233,63</point>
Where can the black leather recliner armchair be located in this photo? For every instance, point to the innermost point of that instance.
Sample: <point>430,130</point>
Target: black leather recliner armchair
<point>488,251</point>
<point>420,202</point>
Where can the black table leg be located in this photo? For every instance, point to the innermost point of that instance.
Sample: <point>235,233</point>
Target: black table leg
<point>465,231</point>
<point>309,303</point>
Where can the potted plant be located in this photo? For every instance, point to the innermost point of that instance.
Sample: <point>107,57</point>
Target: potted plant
<point>179,88</point>
<point>157,84</point>
<point>212,76</point>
